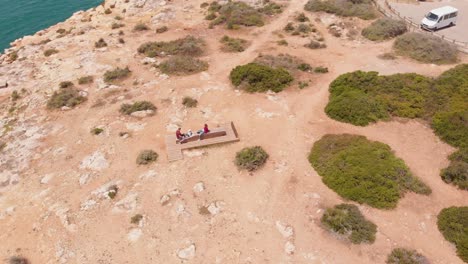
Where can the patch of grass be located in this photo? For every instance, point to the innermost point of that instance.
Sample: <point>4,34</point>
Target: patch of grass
<point>251,159</point>
<point>146,157</point>
<point>315,45</point>
<point>453,224</point>
<point>136,219</point>
<point>271,8</point>
<point>321,69</point>
<point>65,97</point>
<point>233,44</point>
<point>183,65</point>
<point>66,84</point>
<point>235,14</point>
<point>354,8</point>
<point>86,80</point>
<point>425,48</point>
<point>128,109</point>
<point>363,171</point>
<point>116,25</point>
<point>255,77</point>
<point>162,29</point>
<point>406,256</point>
<point>384,28</point>
<point>96,131</point>
<point>282,42</point>
<point>303,85</point>
<point>18,260</point>
<point>50,52</point>
<point>101,43</point>
<point>189,46</point>
<point>140,27</point>
<point>189,102</point>
<point>116,74</point>
<point>347,221</point>
<point>112,191</point>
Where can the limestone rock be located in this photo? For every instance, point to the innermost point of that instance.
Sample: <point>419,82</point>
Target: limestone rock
<point>95,161</point>
<point>187,253</point>
<point>285,230</point>
<point>143,113</point>
<point>199,187</point>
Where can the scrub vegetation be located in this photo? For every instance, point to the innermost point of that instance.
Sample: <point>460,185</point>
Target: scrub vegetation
<point>183,65</point>
<point>251,159</point>
<point>255,77</point>
<point>352,8</point>
<point>453,224</point>
<point>406,256</point>
<point>384,28</point>
<point>188,46</point>
<point>229,44</point>
<point>363,171</point>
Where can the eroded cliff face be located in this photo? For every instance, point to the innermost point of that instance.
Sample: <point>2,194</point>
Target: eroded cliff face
<point>69,196</point>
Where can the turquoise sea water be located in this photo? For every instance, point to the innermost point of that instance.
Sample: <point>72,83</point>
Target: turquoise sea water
<point>25,17</point>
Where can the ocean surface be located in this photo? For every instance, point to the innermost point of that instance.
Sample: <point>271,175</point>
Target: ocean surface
<point>19,18</point>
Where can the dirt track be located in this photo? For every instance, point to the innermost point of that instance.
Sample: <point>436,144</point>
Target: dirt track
<point>50,225</point>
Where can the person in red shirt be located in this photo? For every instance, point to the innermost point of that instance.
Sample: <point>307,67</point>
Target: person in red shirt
<point>205,129</point>
<point>179,134</point>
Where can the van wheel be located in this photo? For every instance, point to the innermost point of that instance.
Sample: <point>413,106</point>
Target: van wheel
<point>451,24</point>
<point>435,29</point>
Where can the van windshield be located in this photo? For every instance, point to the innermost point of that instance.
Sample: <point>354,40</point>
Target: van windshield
<point>432,17</point>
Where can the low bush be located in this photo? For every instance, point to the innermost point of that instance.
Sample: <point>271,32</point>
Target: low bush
<point>384,28</point>
<point>363,171</point>
<point>146,157</point>
<point>270,8</point>
<point>96,131</point>
<point>15,96</point>
<point>118,17</point>
<point>50,52</point>
<point>189,46</point>
<point>2,145</point>
<point>321,69</point>
<point>108,11</point>
<point>136,219</point>
<point>112,191</point>
<point>282,42</point>
<point>121,41</point>
<point>255,77</point>
<point>315,45</point>
<point>162,29</point>
<point>140,27</point>
<point>301,18</point>
<point>128,109</point>
<point>183,65</point>
<point>348,221</point>
<point>86,80</point>
<point>387,56</point>
<point>289,27</point>
<point>355,8</point>
<point>304,67</point>
<point>426,48</point>
<point>453,224</point>
<point>101,43</point>
<point>285,61</point>
<point>65,97</point>
<point>116,25</point>
<point>406,256</point>
<point>235,14</point>
<point>251,159</point>
<point>116,74</point>
<point>189,102</point>
<point>12,56</point>
<point>18,260</point>
<point>66,84</point>
<point>233,44</point>
<point>457,171</point>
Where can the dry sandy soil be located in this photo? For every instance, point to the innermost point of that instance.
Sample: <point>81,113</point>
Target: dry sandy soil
<point>53,207</point>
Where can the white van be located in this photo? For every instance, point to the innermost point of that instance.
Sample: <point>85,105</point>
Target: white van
<point>439,18</point>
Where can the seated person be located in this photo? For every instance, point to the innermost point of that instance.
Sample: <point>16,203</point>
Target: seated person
<point>179,134</point>
<point>204,130</point>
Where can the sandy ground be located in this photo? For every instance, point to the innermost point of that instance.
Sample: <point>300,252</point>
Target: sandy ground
<point>57,212</point>
<point>416,13</point>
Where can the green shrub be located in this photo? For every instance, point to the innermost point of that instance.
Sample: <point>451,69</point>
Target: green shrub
<point>66,84</point>
<point>406,256</point>
<point>107,11</point>
<point>304,67</point>
<point>204,5</point>
<point>251,158</point>
<point>189,102</point>
<point>101,43</point>
<point>112,191</point>
<point>121,41</point>
<point>304,28</point>
<point>254,77</point>
<point>384,28</point>
<point>453,224</point>
<point>387,56</point>
<point>128,109</point>
<point>162,29</point>
<point>284,61</point>
<point>117,25</point>
<point>146,157</point>
<point>347,220</point>
<point>357,8</point>
<point>457,171</point>
<point>118,17</point>
<point>233,44</point>
<point>12,56</point>
<point>235,14</point>
<point>270,8</point>
<point>140,27</point>
<point>49,52</point>
<point>85,79</point>
<point>315,45</point>
<point>189,46</point>
<point>303,85</point>
<point>282,42</point>
<point>116,74</point>
<point>15,96</point>
<point>18,260</point>
<point>97,131</point>
<point>302,18</point>
<point>136,219</point>
<point>321,69</point>
<point>183,65</point>
<point>426,48</point>
<point>289,27</point>
<point>363,171</point>
<point>65,97</point>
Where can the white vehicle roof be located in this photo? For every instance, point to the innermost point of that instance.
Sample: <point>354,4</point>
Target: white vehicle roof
<point>443,10</point>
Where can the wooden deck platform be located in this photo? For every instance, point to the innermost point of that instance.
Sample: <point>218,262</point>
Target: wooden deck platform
<point>223,134</point>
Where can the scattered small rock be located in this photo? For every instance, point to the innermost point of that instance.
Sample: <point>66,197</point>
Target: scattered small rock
<point>186,253</point>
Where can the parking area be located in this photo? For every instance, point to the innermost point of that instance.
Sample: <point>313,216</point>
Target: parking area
<point>416,12</point>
